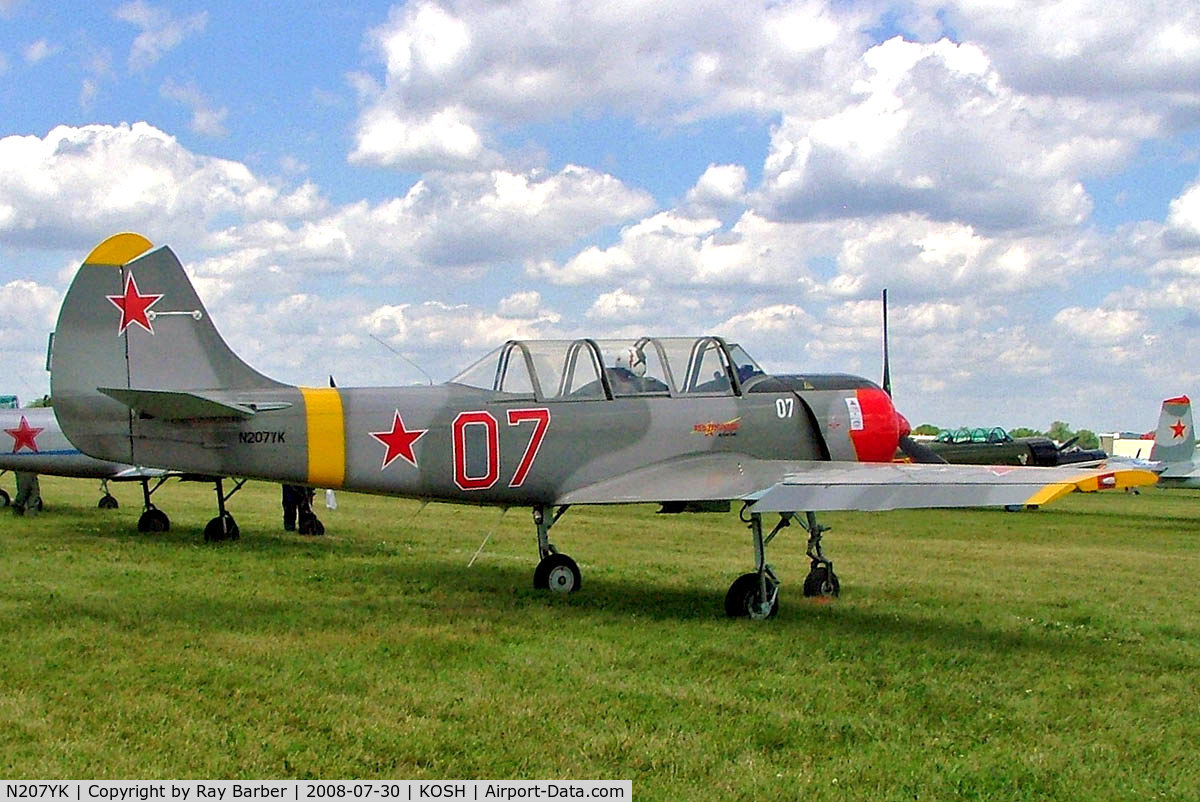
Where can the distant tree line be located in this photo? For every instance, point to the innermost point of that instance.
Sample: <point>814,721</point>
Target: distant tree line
<point>1059,431</point>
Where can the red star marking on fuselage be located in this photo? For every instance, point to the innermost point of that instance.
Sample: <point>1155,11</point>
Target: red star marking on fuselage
<point>24,436</point>
<point>134,306</point>
<point>1178,428</point>
<point>399,442</point>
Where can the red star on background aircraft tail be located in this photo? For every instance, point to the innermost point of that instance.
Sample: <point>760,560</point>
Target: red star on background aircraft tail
<point>1174,439</point>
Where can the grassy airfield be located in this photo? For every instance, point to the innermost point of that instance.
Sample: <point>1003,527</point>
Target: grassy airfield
<point>1052,654</point>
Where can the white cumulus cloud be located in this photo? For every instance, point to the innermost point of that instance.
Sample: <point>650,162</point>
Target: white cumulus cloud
<point>160,30</point>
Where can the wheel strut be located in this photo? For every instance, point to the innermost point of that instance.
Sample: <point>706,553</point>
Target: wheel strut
<point>223,527</point>
<point>152,518</point>
<point>543,524</point>
<point>554,571</point>
<point>821,580</point>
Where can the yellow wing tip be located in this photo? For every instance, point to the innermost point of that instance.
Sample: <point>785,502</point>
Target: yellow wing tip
<point>1050,493</point>
<point>119,249</point>
<point>1118,479</point>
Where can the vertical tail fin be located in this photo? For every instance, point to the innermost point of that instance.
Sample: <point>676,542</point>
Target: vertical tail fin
<point>131,320</point>
<point>1174,440</point>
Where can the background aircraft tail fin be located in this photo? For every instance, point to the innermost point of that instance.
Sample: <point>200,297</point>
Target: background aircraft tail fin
<point>1174,440</point>
<point>131,319</point>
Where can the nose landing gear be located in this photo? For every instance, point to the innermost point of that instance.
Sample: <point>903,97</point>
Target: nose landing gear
<point>756,594</point>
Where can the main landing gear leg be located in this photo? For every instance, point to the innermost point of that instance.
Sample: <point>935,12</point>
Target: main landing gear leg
<point>153,519</point>
<point>756,595</point>
<point>554,571</point>
<point>223,527</point>
<point>821,580</point>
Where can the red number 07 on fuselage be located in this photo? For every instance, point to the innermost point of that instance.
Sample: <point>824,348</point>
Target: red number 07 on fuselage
<point>540,416</point>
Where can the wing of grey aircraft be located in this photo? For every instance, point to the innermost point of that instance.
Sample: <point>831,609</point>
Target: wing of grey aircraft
<point>140,375</point>
<point>1175,444</point>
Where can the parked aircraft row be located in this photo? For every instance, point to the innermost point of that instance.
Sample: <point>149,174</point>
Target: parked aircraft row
<point>140,376</point>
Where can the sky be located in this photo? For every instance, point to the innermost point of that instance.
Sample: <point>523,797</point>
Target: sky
<point>382,190</point>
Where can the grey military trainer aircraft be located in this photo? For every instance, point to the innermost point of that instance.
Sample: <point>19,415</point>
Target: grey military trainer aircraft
<point>140,374</point>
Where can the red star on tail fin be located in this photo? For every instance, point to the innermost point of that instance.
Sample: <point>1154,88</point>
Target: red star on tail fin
<point>134,306</point>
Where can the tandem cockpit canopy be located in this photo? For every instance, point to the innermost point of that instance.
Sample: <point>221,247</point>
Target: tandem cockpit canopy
<point>591,370</point>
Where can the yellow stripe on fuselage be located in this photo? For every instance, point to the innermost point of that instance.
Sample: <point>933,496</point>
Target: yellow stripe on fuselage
<point>326,436</point>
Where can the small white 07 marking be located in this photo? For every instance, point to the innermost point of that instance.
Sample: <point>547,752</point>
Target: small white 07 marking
<point>785,406</point>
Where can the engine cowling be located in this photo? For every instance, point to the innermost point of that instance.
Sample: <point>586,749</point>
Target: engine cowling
<point>876,436</point>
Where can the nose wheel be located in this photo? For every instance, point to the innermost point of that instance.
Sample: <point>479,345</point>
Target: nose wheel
<point>821,580</point>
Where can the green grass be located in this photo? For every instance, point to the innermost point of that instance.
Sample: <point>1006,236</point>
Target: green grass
<point>1051,654</point>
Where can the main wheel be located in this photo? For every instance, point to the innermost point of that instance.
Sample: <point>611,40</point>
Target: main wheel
<point>559,573</point>
<point>822,581</point>
<point>223,527</point>
<point>744,599</point>
<point>108,502</point>
<point>4,499</point>
<point>154,520</point>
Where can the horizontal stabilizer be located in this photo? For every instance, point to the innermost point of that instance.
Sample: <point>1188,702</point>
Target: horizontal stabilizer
<point>136,474</point>
<point>175,405</point>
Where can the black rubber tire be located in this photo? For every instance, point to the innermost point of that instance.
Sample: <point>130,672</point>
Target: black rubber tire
<point>107,502</point>
<point>216,530</point>
<point>742,599</point>
<point>154,520</point>
<point>815,584</point>
<point>4,499</point>
<point>558,573</point>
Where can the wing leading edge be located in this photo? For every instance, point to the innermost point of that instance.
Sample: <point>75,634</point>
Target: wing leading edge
<point>780,486</point>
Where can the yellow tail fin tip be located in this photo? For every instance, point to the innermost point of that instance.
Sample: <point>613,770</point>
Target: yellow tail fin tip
<point>119,249</point>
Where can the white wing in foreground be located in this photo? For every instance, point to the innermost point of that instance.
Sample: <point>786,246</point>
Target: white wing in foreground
<point>784,486</point>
